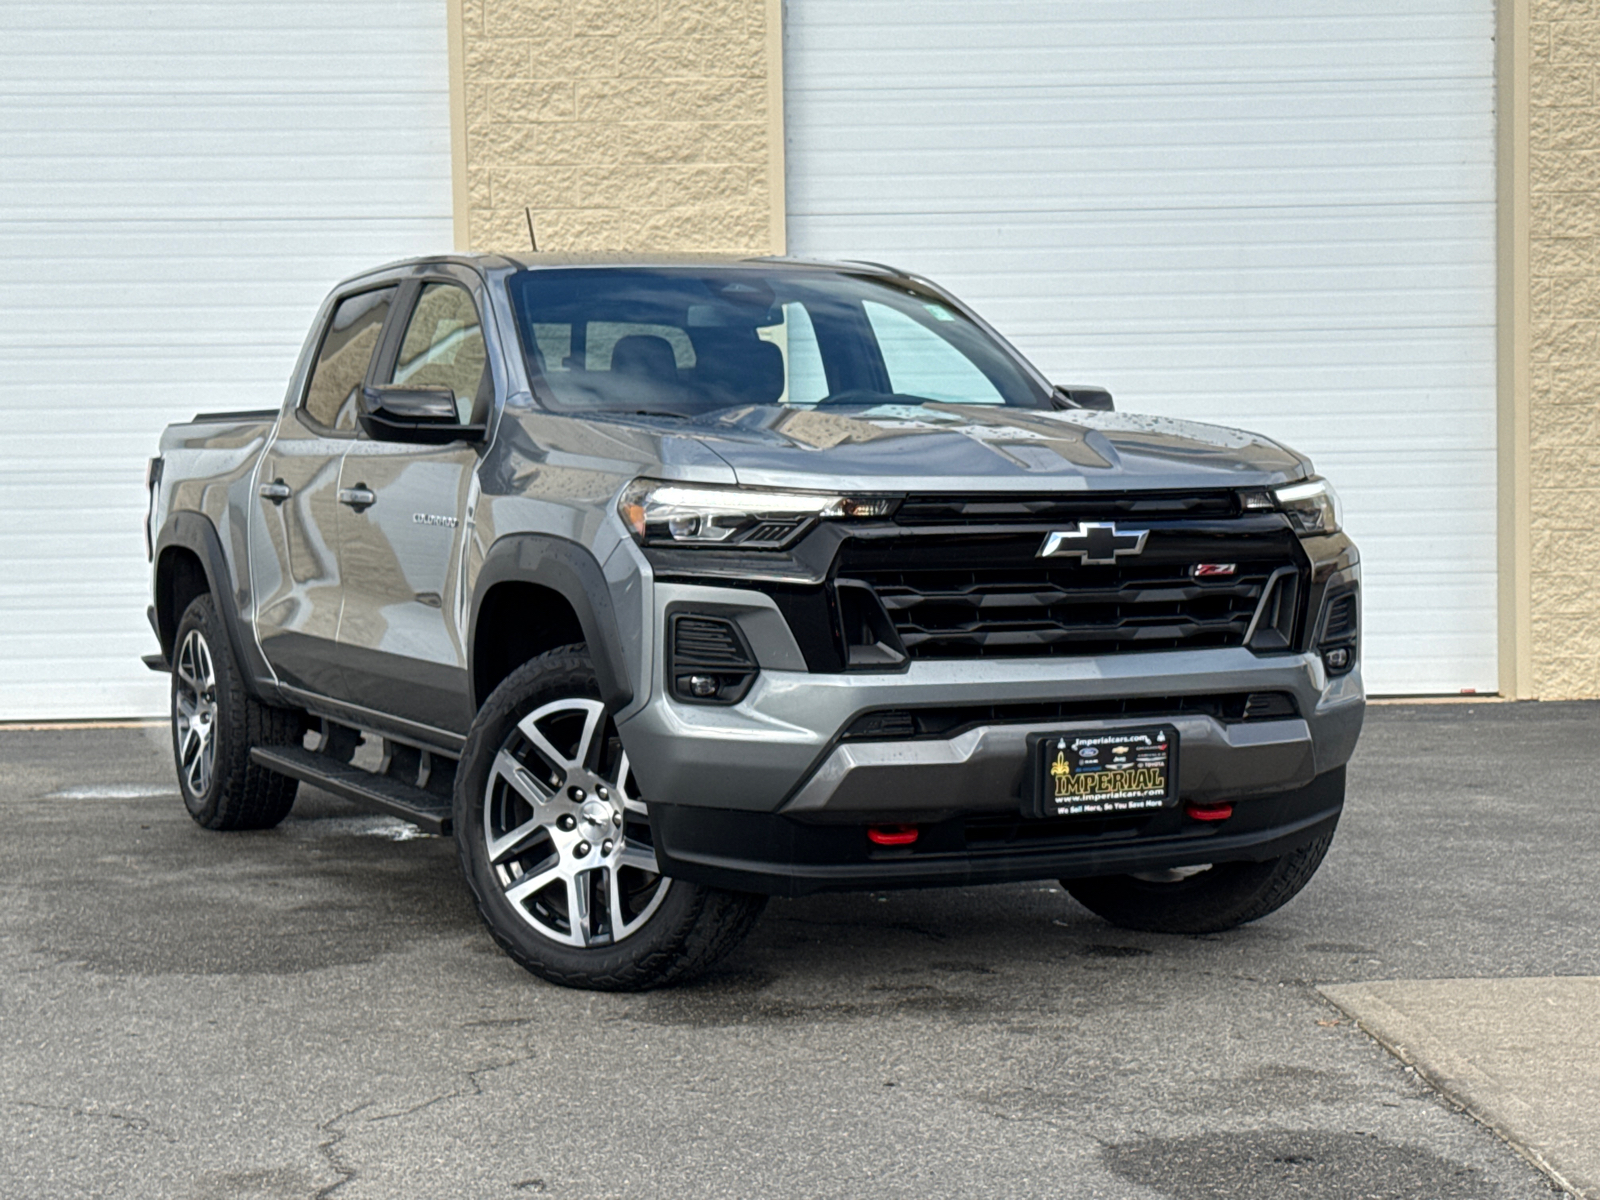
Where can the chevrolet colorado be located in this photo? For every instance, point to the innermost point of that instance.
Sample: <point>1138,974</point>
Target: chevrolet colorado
<point>667,585</point>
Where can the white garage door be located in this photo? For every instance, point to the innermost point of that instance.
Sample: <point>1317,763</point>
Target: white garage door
<point>179,186</point>
<point>1277,216</point>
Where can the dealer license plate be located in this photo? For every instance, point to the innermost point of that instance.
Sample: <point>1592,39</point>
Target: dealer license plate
<point>1105,774</point>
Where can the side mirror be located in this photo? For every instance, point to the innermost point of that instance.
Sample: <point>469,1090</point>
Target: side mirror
<point>424,415</point>
<point>1080,396</point>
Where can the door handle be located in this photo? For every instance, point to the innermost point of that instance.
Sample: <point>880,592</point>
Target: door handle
<point>277,491</point>
<point>359,497</point>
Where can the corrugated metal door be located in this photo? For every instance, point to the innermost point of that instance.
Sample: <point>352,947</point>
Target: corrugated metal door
<point>180,184</point>
<point>1273,216</point>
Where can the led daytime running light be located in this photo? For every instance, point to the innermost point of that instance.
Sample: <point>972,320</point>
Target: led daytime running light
<point>680,514</point>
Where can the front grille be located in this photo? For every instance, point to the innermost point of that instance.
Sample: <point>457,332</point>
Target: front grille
<point>990,595</point>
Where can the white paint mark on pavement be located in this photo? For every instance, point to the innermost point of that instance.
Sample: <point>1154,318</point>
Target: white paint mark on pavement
<point>115,791</point>
<point>392,828</point>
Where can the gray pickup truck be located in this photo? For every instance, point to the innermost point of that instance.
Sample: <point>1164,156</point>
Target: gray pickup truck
<point>669,585</point>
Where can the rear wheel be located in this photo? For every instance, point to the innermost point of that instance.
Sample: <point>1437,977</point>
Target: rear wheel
<point>1205,900</point>
<point>555,842</point>
<point>214,724</point>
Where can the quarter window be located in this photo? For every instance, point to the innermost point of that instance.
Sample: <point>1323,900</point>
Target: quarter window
<point>343,358</point>
<point>443,348</point>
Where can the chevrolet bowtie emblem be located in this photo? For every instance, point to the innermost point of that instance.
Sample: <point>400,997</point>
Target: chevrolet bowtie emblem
<point>1093,542</point>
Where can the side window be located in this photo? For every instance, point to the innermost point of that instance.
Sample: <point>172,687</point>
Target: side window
<point>921,363</point>
<point>343,358</point>
<point>443,347</point>
<point>804,380</point>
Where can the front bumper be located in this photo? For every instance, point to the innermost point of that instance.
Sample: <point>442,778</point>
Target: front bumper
<point>777,854</point>
<point>779,749</point>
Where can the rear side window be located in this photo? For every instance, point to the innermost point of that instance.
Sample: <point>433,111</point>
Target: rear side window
<point>344,357</point>
<point>443,348</point>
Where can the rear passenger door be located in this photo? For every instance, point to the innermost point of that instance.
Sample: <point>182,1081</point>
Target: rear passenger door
<point>407,517</point>
<point>294,563</point>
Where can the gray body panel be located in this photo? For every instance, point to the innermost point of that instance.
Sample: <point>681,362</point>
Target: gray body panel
<point>369,616</point>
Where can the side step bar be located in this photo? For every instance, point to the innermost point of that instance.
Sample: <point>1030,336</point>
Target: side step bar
<point>427,811</point>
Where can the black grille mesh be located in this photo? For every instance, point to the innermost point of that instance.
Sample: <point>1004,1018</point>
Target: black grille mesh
<point>979,596</point>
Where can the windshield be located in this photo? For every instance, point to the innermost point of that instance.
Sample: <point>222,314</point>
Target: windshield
<point>683,341</point>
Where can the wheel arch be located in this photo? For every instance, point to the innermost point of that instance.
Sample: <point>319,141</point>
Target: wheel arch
<point>561,583</point>
<point>190,561</point>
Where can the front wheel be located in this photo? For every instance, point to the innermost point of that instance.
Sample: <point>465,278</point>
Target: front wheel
<point>555,843</point>
<point>1205,900</point>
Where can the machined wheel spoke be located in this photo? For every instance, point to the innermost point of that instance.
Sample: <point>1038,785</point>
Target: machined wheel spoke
<point>543,745</point>
<point>591,722</point>
<point>578,908</point>
<point>619,927</point>
<point>520,779</point>
<point>529,884</point>
<point>509,843</point>
<point>638,856</point>
<point>624,777</point>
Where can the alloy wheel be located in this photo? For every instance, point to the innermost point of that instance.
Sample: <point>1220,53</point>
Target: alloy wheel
<point>567,835</point>
<point>194,713</point>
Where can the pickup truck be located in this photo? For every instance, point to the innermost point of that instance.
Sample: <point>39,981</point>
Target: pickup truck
<point>668,585</point>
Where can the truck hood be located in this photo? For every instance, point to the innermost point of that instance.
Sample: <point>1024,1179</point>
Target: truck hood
<point>955,447</point>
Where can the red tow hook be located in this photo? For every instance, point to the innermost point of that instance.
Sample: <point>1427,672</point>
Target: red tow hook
<point>1209,812</point>
<point>892,835</point>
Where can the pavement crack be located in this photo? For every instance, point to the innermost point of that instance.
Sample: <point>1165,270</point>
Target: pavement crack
<point>133,1124</point>
<point>329,1150</point>
<point>473,1088</point>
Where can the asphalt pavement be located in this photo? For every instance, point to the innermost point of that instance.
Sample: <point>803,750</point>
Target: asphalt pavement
<point>316,1011</point>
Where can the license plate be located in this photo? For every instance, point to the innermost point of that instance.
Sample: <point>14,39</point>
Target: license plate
<point>1105,773</point>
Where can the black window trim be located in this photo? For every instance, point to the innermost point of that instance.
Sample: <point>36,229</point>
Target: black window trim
<point>302,414</point>
<point>385,358</point>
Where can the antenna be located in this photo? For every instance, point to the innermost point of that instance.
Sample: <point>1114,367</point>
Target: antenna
<point>532,241</point>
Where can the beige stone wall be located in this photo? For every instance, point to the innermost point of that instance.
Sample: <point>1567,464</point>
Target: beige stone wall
<point>623,124</point>
<point>1564,400</point>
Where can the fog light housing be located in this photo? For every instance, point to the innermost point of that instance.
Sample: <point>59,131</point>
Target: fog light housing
<point>708,660</point>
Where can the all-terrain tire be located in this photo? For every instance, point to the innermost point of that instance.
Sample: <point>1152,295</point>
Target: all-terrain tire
<point>1219,898</point>
<point>691,927</point>
<point>234,793</point>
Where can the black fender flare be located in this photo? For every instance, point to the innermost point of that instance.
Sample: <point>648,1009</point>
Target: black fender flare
<point>194,532</point>
<point>572,572</point>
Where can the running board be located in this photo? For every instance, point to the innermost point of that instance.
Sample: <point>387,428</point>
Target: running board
<point>428,812</point>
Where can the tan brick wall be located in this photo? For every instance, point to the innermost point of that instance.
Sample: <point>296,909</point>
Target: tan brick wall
<point>1564,401</point>
<point>623,124</point>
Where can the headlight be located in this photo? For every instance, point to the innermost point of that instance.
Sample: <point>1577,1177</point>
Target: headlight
<point>687,514</point>
<point>1312,506</point>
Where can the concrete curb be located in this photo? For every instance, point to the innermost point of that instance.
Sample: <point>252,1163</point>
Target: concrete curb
<point>1522,1056</point>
